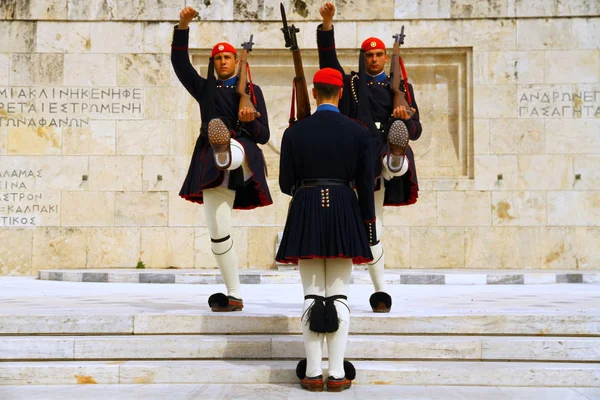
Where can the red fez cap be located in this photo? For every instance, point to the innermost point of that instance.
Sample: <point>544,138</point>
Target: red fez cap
<point>329,76</point>
<point>222,47</point>
<point>372,43</point>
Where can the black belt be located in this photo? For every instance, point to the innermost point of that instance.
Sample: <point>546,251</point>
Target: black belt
<point>324,182</point>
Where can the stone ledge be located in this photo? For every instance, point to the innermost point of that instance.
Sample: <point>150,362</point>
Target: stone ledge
<point>360,347</point>
<point>245,371</point>
<point>203,321</point>
<point>289,275</point>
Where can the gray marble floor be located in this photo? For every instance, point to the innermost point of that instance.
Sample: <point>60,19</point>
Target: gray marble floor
<point>272,392</point>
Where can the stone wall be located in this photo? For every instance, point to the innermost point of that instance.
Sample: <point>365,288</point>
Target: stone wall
<point>96,132</point>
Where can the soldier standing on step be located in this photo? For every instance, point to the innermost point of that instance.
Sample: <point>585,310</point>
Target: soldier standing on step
<point>391,128</point>
<point>327,227</point>
<point>227,170</point>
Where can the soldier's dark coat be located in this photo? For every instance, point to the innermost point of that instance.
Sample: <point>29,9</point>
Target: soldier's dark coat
<point>327,221</point>
<point>401,190</point>
<point>202,173</point>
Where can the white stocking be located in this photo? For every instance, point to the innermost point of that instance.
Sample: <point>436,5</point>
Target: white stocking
<point>238,158</point>
<point>312,273</point>
<point>218,203</point>
<point>376,267</point>
<point>337,278</point>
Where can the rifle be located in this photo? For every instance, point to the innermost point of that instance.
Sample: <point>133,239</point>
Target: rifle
<point>243,71</point>
<point>300,89</point>
<point>397,72</point>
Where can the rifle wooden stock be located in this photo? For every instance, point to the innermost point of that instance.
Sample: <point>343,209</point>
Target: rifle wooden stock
<point>399,96</point>
<point>302,99</point>
<point>245,100</point>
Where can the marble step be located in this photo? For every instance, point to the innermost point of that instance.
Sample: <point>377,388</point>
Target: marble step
<point>289,392</point>
<point>409,322</point>
<point>431,373</point>
<point>374,347</point>
<point>291,276</point>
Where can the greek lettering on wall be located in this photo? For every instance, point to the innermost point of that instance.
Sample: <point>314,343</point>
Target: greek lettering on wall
<point>67,106</point>
<point>20,206</point>
<point>559,102</point>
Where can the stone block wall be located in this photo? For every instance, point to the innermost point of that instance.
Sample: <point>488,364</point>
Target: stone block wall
<point>96,132</point>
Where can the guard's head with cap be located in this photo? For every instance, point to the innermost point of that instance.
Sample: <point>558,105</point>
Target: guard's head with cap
<point>328,84</point>
<point>375,55</point>
<point>225,58</point>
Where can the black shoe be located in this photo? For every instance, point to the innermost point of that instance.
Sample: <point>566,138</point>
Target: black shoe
<point>381,302</point>
<point>218,302</point>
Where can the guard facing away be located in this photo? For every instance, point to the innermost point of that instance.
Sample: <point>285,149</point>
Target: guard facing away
<point>392,120</point>
<point>227,170</point>
<point>327,227</point>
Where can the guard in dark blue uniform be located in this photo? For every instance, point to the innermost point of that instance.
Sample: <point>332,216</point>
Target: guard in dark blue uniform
<point>395,176</point>
<point>327,227</point>
<point>227,170</point>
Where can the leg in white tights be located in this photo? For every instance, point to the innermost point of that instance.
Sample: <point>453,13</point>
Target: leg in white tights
<point>312,273</point>
<point>238,158</point>
<point>337,281</point>
<point>218,203</point>
<point>376,267</point>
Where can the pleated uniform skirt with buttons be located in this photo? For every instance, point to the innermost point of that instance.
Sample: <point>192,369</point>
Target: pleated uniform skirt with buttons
<point>324,222</point>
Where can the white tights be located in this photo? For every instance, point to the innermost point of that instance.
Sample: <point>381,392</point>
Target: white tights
<point>326,278</point>
<point>218,203</point>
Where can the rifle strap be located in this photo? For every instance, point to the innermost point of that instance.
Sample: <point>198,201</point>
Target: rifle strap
<point>251,84</point>
<point>293,106</point>
<point>405,79</point>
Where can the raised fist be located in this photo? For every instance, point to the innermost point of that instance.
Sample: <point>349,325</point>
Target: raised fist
<point>186,16</point>
<point>327,11</point>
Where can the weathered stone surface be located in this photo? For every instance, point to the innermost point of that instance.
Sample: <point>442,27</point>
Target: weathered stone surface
<point>519,208</point>
<point>158,37</point>
<point>115,173</point>
<point>544,34</point>
<point>546,172</point>
<point>154,204</point>
<point>464,208</point>
<point>422,213</point>
<point>58,248</point>
<point>41,140</point>
<point>517,136</point>
<point>90,70</point>
<point>586,166</point>
<point>548,248</point>
<point>185,213</point>
<point>586,32</point>
<point>583,66</point>
<point>573,136</point>
<point>22,36</point>
<point>489,168</point>
<point>3,140</point>
<point>570,208</point>
<point>63,37</point>
<point>36,69</point>
<point>495,101</point>
<point>143,70</point>
<point>162,173</point>
<point>16,251</point>
<point>168,247</point>
<point>479,9</point>
<point>128,10</point>
<point>146,137</point>
<point>117,37</point>
<point>61,173</point>
<point>261,246</point>
<point>88,208</point>
<point>588,256</point>
<point>508,67</point>
<point>397,247</point>
<point>424,9</point>
<point>482,136</point>
<point>490,35</point>
<point>491,247</point>
<point>113,247</point>
<point>4,69</point>
<point>424,255</point>
<point>98,138</point>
